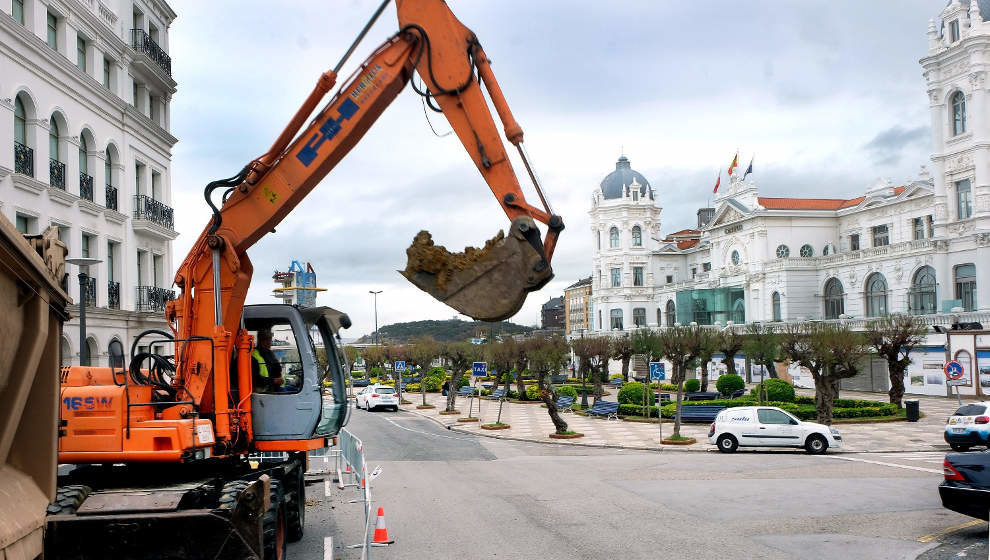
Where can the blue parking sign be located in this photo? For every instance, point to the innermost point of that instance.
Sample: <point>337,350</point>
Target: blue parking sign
<point>400,367</point>
<point>658,371</point>
<point>479,369</point>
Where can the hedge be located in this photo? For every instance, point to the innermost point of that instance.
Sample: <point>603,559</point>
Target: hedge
<point>861,408</point>
<point>636,410</point>
<point>566,391</point>
<point>632,393</point>
<point>777,390</point>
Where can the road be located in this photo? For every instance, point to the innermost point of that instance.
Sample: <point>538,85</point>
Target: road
<point>449,495</point>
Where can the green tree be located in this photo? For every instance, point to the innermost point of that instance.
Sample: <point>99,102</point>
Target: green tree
<point>351,354</point>
<point>547,357</point>
<point>422,351</point>
<point>647,343</point>
<point>680,345</point>
<point>501,357</point>
<point>707,346</point>
<point>893,338</point>
<point>460,355</point>
<point>518,350</point>
<point>593,353</point>
<point>622,349</point>
<point>374,357</point>
<point>729,344</point>
<point>762,346</point>
<point>395,353</point>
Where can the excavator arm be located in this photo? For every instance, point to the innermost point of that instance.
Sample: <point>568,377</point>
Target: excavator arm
<point>490,283</point>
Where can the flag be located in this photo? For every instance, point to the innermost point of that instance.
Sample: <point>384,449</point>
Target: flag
<point>734,164</point>
<point>718,181</point>
<point>748,169</point>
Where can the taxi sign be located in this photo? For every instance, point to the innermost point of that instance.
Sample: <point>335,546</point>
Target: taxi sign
<point>479,369</point>
<point>953,370</point>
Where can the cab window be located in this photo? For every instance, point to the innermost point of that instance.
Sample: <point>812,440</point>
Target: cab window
<point>770,416</point>
<point>275,363</point>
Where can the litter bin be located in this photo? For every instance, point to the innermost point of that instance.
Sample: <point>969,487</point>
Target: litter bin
<point>913,410</point>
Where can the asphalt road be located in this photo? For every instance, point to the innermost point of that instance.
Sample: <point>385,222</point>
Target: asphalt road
<point>449,495</point>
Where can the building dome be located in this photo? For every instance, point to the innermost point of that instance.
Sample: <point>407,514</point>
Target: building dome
<point>614,184</point>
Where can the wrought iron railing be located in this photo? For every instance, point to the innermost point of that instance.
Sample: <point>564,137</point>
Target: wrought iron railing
<point>152,299</point>
<point>142,42</point>
<point>147,208</point>
<point>23,160</point>
<point>86,187</point>
<point>89,295</point>
<point>113,295</point>
<point>111,197</point>
<point>57,170</point>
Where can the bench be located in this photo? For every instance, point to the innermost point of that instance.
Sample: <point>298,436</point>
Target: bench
<point>497,394</point>
<point>465,391</point>
<point>564,404</point>
<point>700,412</point>
<point>663,397</point>
<point>709,396</point>
<point>607,409</point>
<point>615,383</point>
<point>360,383</point>
<point>737,393</point>
<point>558,379</point>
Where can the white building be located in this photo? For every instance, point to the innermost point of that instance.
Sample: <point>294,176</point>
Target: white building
<point>85,88</point>
<point>922,248</point>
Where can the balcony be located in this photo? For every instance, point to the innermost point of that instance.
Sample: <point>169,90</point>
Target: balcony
<point>111,197</point>
<point>86,187</point>
<point>113,295</point>
<point>154,211</point>
<point>152,300</point>
<point>142,42</point>
<point>23,159</point>
<point>57,170</point>
<point>88,297</point>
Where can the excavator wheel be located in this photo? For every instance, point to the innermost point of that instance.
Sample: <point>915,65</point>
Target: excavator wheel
<point>295,504</point>
<point>273,524</point>
<point>68,499</point>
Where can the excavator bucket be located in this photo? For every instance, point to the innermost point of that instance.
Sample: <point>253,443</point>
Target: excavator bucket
<point>487,284</point>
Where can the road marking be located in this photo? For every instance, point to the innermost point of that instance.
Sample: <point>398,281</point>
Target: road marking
<point>390,421</point>
<point>327,548</point>
<point>326,487</point>
<point>895,465</point>
<point>949,530</point>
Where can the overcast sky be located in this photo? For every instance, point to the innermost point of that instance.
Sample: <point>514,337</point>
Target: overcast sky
<point>828,95</point>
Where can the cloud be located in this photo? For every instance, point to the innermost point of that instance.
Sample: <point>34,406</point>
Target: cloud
<point>887,147</point>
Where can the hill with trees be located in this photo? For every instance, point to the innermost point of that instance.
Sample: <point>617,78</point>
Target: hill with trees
<point>450,330</point>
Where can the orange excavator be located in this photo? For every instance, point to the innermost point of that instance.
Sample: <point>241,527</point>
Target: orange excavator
<point>161,445</point>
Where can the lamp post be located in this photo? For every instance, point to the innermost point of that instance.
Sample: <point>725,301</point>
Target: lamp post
<point>584,382</point>
<point>375,293</point>
<point>83,263</point>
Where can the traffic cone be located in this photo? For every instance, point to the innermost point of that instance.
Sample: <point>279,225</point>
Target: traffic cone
<point>381,533</point>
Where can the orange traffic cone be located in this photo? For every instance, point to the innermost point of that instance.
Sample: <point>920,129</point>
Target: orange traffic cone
<point>381,533</point>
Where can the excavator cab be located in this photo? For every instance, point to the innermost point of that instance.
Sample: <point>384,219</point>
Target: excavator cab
<point>297,357</point>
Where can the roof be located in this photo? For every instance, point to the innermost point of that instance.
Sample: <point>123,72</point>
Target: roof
<point>614,184</point>
<point>685,232</point>
<point>554,303</point>
<point>813,203</point>
<point>579,283</point>
<point>687,244</point>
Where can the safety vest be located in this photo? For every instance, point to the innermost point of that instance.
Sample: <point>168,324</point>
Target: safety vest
<point>262,366</point>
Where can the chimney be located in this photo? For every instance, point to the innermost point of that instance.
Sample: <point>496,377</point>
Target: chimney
<point>705,215</point>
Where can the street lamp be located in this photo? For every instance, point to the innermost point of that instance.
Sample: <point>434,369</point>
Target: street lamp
<point>374,293</point>
<point>83,263</point>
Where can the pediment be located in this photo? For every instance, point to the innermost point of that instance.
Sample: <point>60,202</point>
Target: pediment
<point>728,213</point>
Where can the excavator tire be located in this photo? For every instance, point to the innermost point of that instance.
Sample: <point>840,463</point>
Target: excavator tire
<point>228,496</point>
<point>68,499</point>
<point>273,524</point>
<point>295,504</point>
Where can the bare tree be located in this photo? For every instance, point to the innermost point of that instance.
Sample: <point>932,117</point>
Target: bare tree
<point>729,344</point>
<point>830,352</point>
<point>374,357</point>
<point>395,353</point>
<point>518,350</point>
<point>679,345</point>
<point>351,354</point>
<point>893,338</point>
<point>622,349</point>
<point>762,345</point>
<point>422,352</point>
<point>460,355</point>
<point>502,356</point>
<point>647,343</point>
<point>708,345</point>
<point>547,357</point>
<point>594,353</point>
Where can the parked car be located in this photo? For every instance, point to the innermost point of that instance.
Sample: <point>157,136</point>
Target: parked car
<point>969,425</point>
<point>375,396</point>
<point>768,426</point>
<point>966,488</point>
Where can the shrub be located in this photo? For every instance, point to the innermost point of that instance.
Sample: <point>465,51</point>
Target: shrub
<point>567,391</point>
<point>692,385</point>
<point>636,410</point>
<point>512,394</point>
<point>375,372</point>
<point>777,390</point>
<point>615,376</point>
<point>532,392</point>
<point>728,383</point>
<point>632,393</point>
<point>668,387</point>
<point>413,387</point>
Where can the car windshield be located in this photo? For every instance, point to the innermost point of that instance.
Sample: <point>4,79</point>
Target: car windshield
<point>385,390</point>
<point>971,410</point>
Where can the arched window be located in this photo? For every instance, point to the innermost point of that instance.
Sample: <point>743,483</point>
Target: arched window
<point>65,349</point>
<point>639,316</point>
<point>20,122</point>
<point>966,286</point>
<point>965,359</point>
<point>739,311</point>
<point>671,313</point>
<point>83,155</point>
<point>115,353</point>
<point>807,251</point>
<point>615,316</point>
<point>108,168</point>
<point>921,300</point>
<point>958,113</point>
<point>776,306</point>
<point>834,299</point>
<point>876,295</point>
<point>613,238</point>
<point>53,135</point>
<point>637,237</point>
<point>659,321</point>
<point>827,249</point>
<point>23,155</point>
<point>56,167</point>
<point>783,251</point>
<point>735,257</point>
<point>598,237</point>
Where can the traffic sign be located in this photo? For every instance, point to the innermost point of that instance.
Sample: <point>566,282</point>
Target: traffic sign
<point>658,371</point>
<point>479,369</point>
<point>953,370</point>
<point>400,367</point>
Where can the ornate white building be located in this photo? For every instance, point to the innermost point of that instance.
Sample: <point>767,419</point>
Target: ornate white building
<point>922,248</point>
<point>85,88</point>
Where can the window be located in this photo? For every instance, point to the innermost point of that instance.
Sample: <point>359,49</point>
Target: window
<point>854,242</point>
<point>659,322</point>
<point>931,225</point>
<point>876,295</point>
<point>671,313</point>
<point>53,135</point>
<point>140,268</point>
<point>706,267</point>
<point>776,306</point>
<point>613,238</point>
<point>807,251</point>
<point>637,276</point>
<point>783,251</point>
<point>598,236</point>
<point>964,199</point>
<point>694,272</point>
<point>771,416</point>
<point>966,286</point>
<point>639,317</point>
<point>616,278</point>
<point>17,10</point>
<point>83,155</point>
<point>156,264</point>
<point>954,30</point>
<point>138,171</point>
<point>670,278</point>
<point>23,223</point>
<point>20,122</point>
<point>880,236</point>
<point>108,168</point>
<point>111,253</point>
<point>615,317</point>
<point>827,250</point>
<point>134,94</point>
<point>107,66</point>
<point>85,245</point>
<point>834,299</point>
<point>599,319</point>
<point>735,257</point>
<point>921,298</point>
<point>958,113</point>
<point>52,31</point>
<point>637,237</point>
<point>918,226</point>
<point>153,108</point>
<point>81,53</point>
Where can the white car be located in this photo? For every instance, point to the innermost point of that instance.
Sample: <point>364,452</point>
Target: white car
<point>768,426</point>
<point>374,396</point>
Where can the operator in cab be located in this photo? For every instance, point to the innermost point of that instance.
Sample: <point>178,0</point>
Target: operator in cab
<point>266,370</point>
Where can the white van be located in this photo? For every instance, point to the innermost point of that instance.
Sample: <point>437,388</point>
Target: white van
<point>768,426</point>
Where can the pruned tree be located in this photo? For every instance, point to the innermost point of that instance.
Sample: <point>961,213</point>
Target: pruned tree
<point>893,338</point>
<point>707,346</point>
<point>519,352</point>
<point>729,344</point>
<point>647,343</point>
<point>422,351</point>
<point>460,355</point>
<point>830,352</point>
<point>762,345</point>
<point>395,353</point>
<point>374,357</point>
<point>622,349</point>
<point>501,357</point>
<point>351,354</point>
<point>679,345</point>
<point>594,353</point>
<point>546,357</point>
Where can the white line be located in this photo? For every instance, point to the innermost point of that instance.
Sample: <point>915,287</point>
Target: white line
<point>908,467</point>
<point>327,548</point>
<point>389,420</point>
<point>326,487</point>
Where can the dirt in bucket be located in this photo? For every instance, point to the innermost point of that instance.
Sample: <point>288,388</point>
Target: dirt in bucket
<point>424,256</point>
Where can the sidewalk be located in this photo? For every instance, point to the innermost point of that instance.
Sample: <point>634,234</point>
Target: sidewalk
<point>530,422</point>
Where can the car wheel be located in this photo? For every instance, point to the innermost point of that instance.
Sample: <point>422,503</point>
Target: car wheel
<point>959,447</point>
<point>727,443</point>
<point>395,409</point>
<point>815,444</point>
